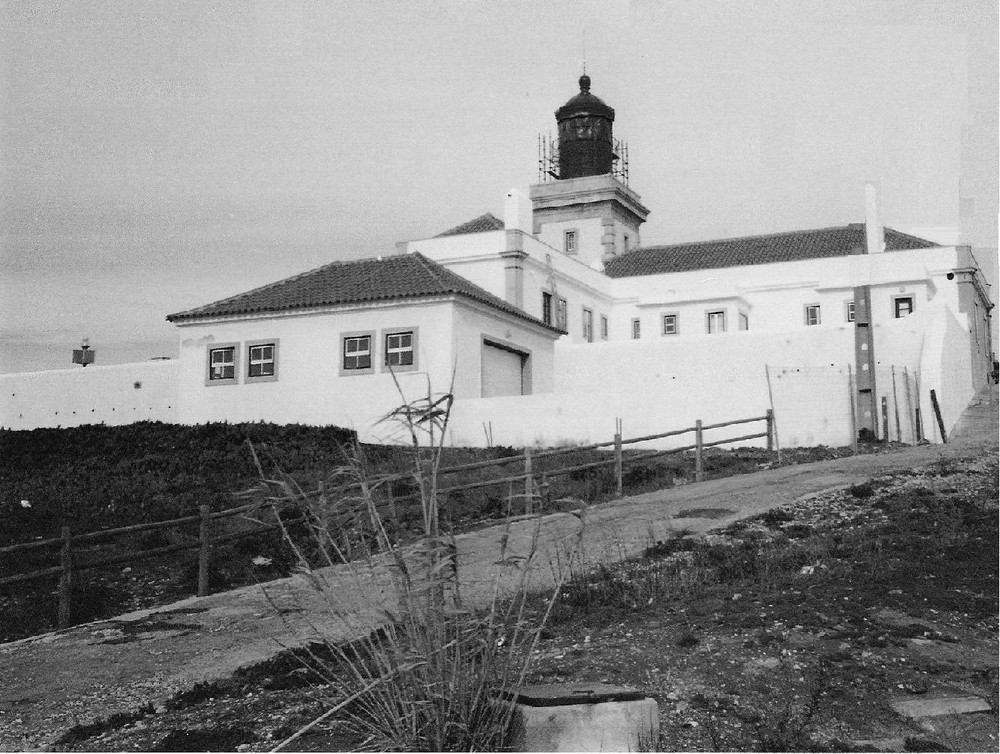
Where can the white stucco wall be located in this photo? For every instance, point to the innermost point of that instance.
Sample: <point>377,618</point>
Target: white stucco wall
<point>659,385</point>
<point>116,394</point>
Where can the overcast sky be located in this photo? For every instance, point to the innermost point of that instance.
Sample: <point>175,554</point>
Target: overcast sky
<point>160,155</point>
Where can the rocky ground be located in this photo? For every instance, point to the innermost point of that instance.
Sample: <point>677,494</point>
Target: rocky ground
<point>861,618</point>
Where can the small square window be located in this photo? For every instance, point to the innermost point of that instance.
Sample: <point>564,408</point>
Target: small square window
<point>812,314</point>
<point>849,309</point>
<point>357,353</point>
<point>588,325</point>
<point>669,324</point>
<point>604,327</point>
<point>546,308</point>
<point>636,329</point>
<point>399,349</point>
<point>569,242</point>
<point>222,363</point>
<point>262,361</point>
<point>716,322</point>
<point>561,321</point>
<point>902,306</point>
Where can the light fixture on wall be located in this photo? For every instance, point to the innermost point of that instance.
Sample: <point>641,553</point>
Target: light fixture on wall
<point>84,354</point>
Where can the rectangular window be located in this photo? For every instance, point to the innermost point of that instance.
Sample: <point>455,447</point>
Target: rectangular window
<point>744,322</point>
<point>399,349</point>
<point>636,331</point>
<point>561,321</point>
<point>716,322</point>
<point>902,306</point>
<point>569,242</point>
<point>849,308</point>
<point>812,314</point>
<point>604,327</point>
<point>546,308</point>
<point>262,361</point>
<point>222,364</point>
<point>357,353</point>
<point>588,325</point>
<point>669,324</point>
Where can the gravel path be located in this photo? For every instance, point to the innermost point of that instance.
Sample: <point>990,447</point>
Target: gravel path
<point>88,673</point>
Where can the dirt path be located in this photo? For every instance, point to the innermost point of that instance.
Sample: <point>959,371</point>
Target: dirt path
<point>91,672</point>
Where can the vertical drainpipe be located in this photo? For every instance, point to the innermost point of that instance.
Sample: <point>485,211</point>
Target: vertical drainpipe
<point>864,336</point>
<point>513,269</point>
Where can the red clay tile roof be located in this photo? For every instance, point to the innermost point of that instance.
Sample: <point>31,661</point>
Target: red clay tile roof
<point>791,246</point>
<point>407,276</point>
<point>481,224</point>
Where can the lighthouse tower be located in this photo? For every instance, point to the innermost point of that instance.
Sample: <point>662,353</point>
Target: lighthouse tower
<point>583,207</point>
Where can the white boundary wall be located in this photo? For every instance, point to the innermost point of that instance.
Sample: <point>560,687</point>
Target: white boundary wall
<point>117,394</point>
<point>644,383</point>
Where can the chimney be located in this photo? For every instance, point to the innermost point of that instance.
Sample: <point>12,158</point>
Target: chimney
<point>517,212</point>
<point>874,232</point>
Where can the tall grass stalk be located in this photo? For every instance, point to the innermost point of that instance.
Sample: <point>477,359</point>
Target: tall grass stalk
<point>440,671</point>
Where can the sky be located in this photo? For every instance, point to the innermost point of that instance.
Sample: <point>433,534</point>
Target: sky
<point>159,155</point>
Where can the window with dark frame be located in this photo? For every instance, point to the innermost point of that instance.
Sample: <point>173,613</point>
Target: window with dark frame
<point>636,329</point>
<point>546,307</point>
<point>812,314</point>
<point>604,327</point>
<point>716,322</point>
<point>357,352</point>
<point>588,325</point>
<point>561,314</point>
<point>669,324</point>
<point>399,349</point>
<point>260,360</point>
<point>849,311</point>
<point>569,242</point>
<point>222,363</point>
<point>902,306</point>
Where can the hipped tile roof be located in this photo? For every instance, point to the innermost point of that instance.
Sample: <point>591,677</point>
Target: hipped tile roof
<point>481,224</point>
<point>408,276</point>
<point>791,246</point>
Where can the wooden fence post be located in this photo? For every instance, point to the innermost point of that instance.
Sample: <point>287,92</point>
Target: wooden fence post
<point>699,472</point>
<point>854,409</point>
<point>205,551</point>
<point>770,430</point>
<point>937,414</point>
<point>66,579</point>
<point>528,491</point>
<point>885,419</point>
<point>895,406</point>
<point>774,423</point>
<point>618,458</point>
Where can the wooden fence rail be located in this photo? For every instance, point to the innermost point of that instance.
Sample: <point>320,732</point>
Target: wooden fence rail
<point>205,541</point>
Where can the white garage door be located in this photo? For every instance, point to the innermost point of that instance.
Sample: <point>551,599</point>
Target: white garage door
<point>501,371</point>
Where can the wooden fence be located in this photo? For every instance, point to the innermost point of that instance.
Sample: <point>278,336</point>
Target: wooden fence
<point>533,491</point>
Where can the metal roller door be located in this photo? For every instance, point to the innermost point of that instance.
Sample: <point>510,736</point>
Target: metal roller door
<point>502,371</point>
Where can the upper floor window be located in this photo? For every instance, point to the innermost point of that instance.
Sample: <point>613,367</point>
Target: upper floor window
<point>812,314</point>
<point>669,324</point>
<point>849,311</point>
<point>569,242</point>
<point>716,322</point>
<point>357,352</point>
<point>744,322</point>
<point>399,348</point>
<point>561,314</point>
<point>588,325</point>
<point>902,306</point>
<point>546,308</point>
<point>222,364</point>
<point>262,361</point>
<point>636,330</point>
<point>604,327</point>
